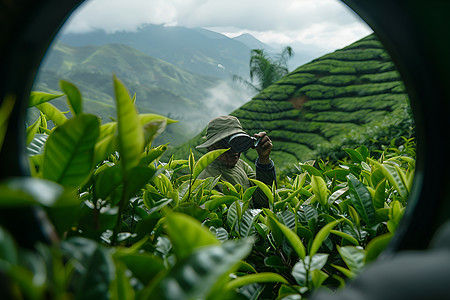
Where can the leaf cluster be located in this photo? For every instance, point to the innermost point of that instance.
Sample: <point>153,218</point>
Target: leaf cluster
<point>134,227</point>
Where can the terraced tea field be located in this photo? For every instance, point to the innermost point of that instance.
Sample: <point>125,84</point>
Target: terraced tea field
<point>320,103</point>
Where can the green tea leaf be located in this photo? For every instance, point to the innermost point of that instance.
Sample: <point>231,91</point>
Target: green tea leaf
<point>255,278</point>
<point>37,144</point>
<point>336,195</point>
<point>61,204</point>
<point>302,269</point>
<point>287,218</point>
<point>144,266</point>
<point>321,236</point>
<point>94,269</point>
<point>205,160</point>
<point>353,258</point>
<point>32,130</point>
<point>376,246</point>
<point>37,98</point>
<point>380,195</point>
<point>187,234</point>
<point>354,215</point>
<point>376,176</point>
<point>320,189</point>
<point>107,130</point>
<point>292,238</point>
<point>248,193</point>
<point>310,212</point>
<point>393,177</point>
<point>232,215</point>
<point>138,177</point>
<point>120,288</point>
<point>345,236</point>
<point>153,129</point>
<point>191,161</point>
<point>344,271</point>
<point>195,276</point>
<point>220,233</point>
<point>338,173</point>
<point>149,118</point>
<point>266,190</point>
<point>103,148</point>
<point>107,180</point>
<point>8,248</point>
<point>275,230</point>
<point>355,156</point>
<point>403,178</point>
<point>17,192</point>
<point>311,170</point>
<point>361,200</point>
<point>363,151</point>
<point>129,130</point>
<point>318,277</point>
<point>73,96</point>
<point>52,113</point>
<point>69,151</point>
<point>219,200</point>
<point>246,222</point>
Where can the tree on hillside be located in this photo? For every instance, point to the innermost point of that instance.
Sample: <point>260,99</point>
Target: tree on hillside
<point>265,69</point>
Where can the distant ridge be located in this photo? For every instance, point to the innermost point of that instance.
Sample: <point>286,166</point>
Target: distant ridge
<point>196,50</point>
<point>322,102</point>
<point>253,43</point>
<point>160,86</point>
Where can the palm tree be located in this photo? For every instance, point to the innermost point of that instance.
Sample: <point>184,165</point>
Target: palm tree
<point>266,69</point>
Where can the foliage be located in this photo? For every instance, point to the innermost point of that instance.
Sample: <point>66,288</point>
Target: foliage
<point>134,227</point>
<point>266,69</point>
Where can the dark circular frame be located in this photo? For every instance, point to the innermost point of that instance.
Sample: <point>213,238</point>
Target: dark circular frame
<point>415,33</point>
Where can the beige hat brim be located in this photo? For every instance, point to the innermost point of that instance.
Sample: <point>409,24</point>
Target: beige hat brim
<point>220,128</point>
<point>218,137</point>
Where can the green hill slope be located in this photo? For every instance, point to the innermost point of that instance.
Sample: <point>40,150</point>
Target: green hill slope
<point>160,86</point>
<point>342,94</point>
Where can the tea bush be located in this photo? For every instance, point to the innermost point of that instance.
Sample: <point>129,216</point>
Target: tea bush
<point>133,227</point>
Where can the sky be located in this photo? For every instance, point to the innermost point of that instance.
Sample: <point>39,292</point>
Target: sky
<point>321,24</point>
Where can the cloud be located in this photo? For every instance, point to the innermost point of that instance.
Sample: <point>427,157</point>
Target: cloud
<point>222,99</point>
<point>327,24</point>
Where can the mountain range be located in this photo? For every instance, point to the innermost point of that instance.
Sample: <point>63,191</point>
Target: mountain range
<point>197,50</point>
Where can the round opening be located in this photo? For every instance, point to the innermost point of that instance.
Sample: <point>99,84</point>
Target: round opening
<point>52,32</point>
<point>416,54</point>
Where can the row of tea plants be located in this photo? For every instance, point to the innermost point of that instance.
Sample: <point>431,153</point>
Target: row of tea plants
<point>130,226</point>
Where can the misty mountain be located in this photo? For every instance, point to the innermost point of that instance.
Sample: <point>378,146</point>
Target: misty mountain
<point>197,50</point>
<point>253,43</point>
<point>303,53</point>
<point>160,87</point>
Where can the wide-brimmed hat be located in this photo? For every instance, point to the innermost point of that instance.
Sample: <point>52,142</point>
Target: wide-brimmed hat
<point>220,128</point>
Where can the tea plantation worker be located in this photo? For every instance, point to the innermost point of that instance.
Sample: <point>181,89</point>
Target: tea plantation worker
<point>226,132</point>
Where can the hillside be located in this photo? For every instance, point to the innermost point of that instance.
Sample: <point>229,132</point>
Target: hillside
<point>321,103</point>
<point>160,87</point>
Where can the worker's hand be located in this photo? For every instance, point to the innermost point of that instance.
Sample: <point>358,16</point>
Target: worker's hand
<point>264,148</point>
